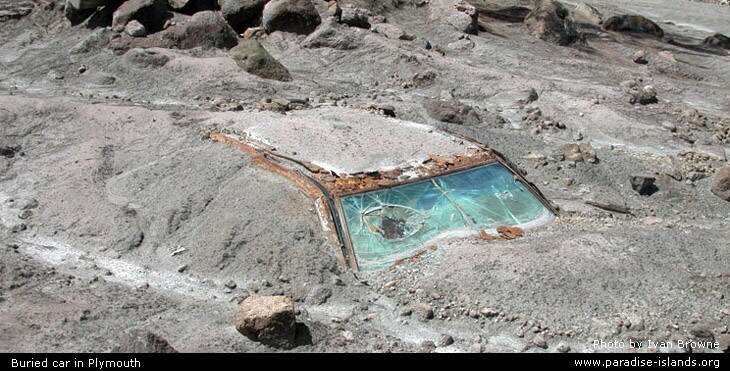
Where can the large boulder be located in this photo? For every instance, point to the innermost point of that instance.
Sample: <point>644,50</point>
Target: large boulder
<point>451,111</point>
<point>721,184</point>
<point>151,13</point>
<point>457,13</point>
<point>549,21</point>
<point>205,29</point>
<point>242,14</point>
<point>142,341</point>
<point>633,23</point>
<point>251,56</point>
<point>268,319</point>
<point>297,16</point>
<point>331,35</point>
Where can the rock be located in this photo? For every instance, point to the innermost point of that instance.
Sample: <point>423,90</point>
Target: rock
<point>721,184</point>
<point>549,21</point>
<point>427,346</point>
<point>717,41</point>
<point>639,57</point>
<point>489,312</point>
<point>422,311</point>
<point>643,185</point>
<point>76,15</point>
<point>645,95</point>
<point>135,29</point>
<point>331,35</point>
<point>242,14</point>
<point>476,348</point>
<point>585,14</point>
<point>446,340</point>
<point>563,348</point>
<point>145,58</point>
<point>633,23</point>
<point>355,17</point>
<point>391,31</point>
<point>579,152</point>
<point>334,11</point>
<point>268,319</point>
<point>142,341</point>
<point>297,16</point>
<point>151,13</point>
<point>319,295</point>
<point>254,59</point>
<point>539,341</point>
<point>253,33</point>
<point>457,13</point>
<point>451,111</point>
<point>230,284</point>
<point>205,29</point>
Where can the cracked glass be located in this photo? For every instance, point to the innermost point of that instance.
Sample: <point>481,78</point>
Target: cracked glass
<point>390,224</point>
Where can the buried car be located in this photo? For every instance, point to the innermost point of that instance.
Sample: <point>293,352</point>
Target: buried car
<point>386,189</point>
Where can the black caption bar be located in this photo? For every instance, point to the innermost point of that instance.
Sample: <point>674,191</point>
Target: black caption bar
<point>115,361</point>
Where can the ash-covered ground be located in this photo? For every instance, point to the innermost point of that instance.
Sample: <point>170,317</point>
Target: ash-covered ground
<point>120,217</point>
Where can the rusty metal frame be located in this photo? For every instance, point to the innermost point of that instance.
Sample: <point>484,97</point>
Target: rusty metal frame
<point>327,189</point>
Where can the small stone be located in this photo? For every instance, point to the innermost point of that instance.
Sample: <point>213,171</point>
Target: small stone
<point>489,312</point>
<point>640,57</point>
<point>135,29</point>
<point>182,268</point>
<point>563,348</point>
<point>476,348</point>
<point>82,69</point>
<point>230,284</point>
<point>446,340</point>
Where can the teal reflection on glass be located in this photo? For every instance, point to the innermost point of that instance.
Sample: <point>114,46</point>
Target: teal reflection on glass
<point>392,223</point>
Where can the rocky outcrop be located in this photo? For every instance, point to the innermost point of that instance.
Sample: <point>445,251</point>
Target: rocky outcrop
<point>142,341</point>
<point>721,184</point>
<point>205,29</point>
<point>297,16</point>
<point>457,13</point>
<point>242,14</point>
<point>633,23</point>
<point>151,13</point>
<point>251,56</point>
<point>549,21</point>
<point>268,319</point>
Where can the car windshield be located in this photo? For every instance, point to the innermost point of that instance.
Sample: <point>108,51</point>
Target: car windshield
<point>390,224</point>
